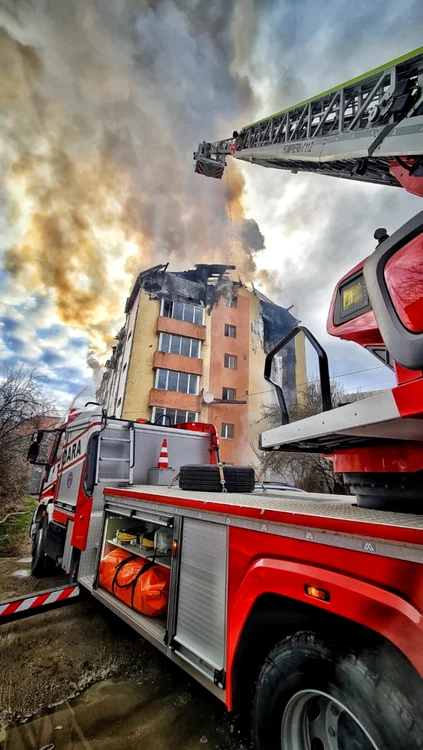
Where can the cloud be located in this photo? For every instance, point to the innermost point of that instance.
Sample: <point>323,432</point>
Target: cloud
<point>316,229</point>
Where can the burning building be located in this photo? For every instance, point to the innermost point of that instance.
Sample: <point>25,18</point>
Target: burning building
<point>193,348</point>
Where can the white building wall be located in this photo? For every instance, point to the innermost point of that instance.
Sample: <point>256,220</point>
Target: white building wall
<point>123,364</point>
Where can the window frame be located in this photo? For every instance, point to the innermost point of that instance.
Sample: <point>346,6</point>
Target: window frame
<point>178,373</point>
<point>228,388</point>
<point>184,305</point>
<point>178,336</point>
<point>166,409</point>
<point>226,360</point>
<point>229,326</point>
<point>224,430</point>
<point>232,302</point>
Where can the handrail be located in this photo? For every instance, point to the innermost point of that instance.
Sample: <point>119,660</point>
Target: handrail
<point>323,370</point>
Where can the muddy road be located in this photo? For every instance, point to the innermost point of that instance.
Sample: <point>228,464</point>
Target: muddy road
<point>79,677</point>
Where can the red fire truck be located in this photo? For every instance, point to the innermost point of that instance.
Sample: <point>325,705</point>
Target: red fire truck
<point>305,609</point>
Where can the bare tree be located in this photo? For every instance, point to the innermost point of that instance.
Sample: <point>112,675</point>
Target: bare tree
<point>309,471</point>
<point>23,408</point>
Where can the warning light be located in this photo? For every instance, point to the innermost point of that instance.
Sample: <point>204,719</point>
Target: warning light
<point>316,593</point>
<point>174,548</point>
<point>353,295</point>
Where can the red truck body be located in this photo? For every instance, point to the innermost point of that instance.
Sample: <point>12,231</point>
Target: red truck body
<point>368,562</point>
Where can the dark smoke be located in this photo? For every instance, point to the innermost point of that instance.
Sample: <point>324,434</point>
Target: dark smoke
<point>102,105</point>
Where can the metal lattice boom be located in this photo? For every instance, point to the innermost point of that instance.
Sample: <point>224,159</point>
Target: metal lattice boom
<point>352,131</point>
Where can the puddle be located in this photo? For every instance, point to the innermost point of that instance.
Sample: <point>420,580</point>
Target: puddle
<point>24,573</point>
<point>120,713</point>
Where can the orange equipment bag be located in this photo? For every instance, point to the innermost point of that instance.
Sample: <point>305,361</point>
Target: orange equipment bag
<point>139,583</point>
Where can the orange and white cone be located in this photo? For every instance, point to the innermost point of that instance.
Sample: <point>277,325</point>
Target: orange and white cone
<point>163,458</point>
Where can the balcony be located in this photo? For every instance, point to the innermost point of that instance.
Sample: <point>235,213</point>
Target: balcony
<point>174,400</point>
<point>181,328</point>
<point>177,362</point>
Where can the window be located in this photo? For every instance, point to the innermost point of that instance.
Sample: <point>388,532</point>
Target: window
<point>183,311</point>
<point>179,345</point>
<point>161,379</point>
<point>182,382</point>
<point>228,394</point>
<point>175,344</point>
<point>227,431</point>
<point>172,416</point>
<point>166,310</point>
<point>230,331</point>
<point>231,302</point>
<point>230,361</point>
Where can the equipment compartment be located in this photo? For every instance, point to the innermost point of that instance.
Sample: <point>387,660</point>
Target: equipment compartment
<point>134,571</point>
<point>138,537</point>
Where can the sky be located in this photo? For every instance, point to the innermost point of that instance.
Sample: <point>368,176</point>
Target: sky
<point>102,107</point>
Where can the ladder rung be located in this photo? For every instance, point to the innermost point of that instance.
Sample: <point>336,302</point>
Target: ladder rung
<point>117,440</point>
<point>104,458</point>
<point>111,479</point>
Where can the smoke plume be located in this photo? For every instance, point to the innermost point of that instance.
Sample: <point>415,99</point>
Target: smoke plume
<point>102,104</point>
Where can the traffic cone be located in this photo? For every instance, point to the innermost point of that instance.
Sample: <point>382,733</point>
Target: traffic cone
<point>163,458</point>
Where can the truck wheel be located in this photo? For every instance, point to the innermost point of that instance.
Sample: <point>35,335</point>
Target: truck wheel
<point>41,565</point>
<point>206,478</point>
<point>313,696</point>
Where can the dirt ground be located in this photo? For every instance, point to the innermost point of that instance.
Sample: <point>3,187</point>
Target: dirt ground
<point>112,687</point>
<point>16,579</point>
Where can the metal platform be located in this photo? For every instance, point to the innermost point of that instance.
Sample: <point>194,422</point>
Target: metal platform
<point>307,504</point>
<point>373,421</point>
<point>153,629</point>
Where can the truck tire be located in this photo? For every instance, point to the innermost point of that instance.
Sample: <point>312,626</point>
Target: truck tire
<point>316,696</point>
<point>206,478</point>
<point>401,492</point>
<point>41,564</point>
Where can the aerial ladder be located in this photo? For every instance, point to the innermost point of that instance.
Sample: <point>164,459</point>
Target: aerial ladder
<point>369,129</point>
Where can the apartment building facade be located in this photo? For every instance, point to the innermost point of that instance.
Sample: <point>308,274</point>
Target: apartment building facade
<point>193,349</point>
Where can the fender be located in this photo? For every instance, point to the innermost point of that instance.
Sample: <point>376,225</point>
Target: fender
<point>37,514</point>
<point>363,603</point>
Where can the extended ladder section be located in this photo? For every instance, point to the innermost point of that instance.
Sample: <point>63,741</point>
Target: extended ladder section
<point>352,131</point>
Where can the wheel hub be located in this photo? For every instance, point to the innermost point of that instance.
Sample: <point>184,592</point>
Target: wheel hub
<point>314,720</point>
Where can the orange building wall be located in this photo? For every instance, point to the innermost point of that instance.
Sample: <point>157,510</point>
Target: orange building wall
<point>169,361</point>
<point>231,451</point>
<point>181,328</point>
<point>174,400</point>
